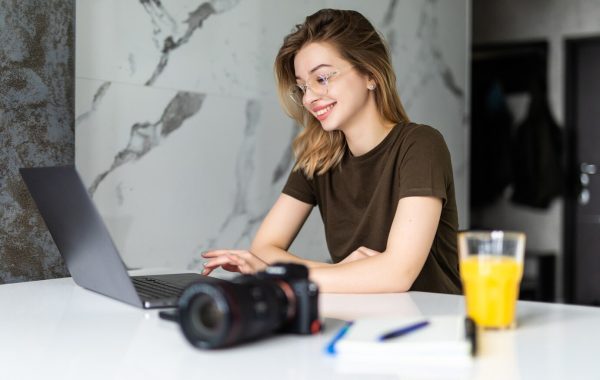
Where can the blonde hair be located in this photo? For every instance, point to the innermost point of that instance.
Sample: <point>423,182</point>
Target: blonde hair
<point>357,41</point>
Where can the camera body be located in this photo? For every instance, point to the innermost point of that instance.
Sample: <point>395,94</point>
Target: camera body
<point>280,299</point>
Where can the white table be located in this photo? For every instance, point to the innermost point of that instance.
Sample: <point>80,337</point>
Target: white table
<point>54,329</point>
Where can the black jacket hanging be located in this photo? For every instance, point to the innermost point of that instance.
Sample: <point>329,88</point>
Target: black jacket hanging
<point>490,146</point>
<point>537,156</point>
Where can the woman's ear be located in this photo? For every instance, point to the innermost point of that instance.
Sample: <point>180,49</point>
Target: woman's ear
<point>371,83</point>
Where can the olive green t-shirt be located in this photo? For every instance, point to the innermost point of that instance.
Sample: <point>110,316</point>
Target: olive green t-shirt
<point>358,199</point>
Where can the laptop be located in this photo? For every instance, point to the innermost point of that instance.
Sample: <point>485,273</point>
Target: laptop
<point>86,246</point>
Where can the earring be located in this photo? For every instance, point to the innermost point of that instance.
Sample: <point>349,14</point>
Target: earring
<point>371,86</point>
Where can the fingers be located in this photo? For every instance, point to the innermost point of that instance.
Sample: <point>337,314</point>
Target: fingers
<point>225,262</point>
<point>241,264</point>
<point>217,261</point>
<point>233,261</point>
<point>229,262</point>
<point>246,263</point>
<point>217,258</point>
<point>230,268</point>
<point>222,252</point>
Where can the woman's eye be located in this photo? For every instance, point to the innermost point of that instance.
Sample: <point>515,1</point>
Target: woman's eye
<point>322,79</point>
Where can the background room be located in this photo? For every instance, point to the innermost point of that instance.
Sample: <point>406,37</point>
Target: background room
<point>535,72</point>
<point>168,109</point>
<point>178,132</point>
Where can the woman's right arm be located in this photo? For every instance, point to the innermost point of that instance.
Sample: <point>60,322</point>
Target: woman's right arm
<point>279,229</point>
<point>275,235</point>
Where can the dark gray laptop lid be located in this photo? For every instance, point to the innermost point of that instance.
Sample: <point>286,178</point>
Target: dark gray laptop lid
<point>79,232</point>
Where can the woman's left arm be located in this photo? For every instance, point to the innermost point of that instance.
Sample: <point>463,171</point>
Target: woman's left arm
<point>394,270</point>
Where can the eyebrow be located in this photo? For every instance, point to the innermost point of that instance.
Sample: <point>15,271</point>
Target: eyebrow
<point>316,68</point>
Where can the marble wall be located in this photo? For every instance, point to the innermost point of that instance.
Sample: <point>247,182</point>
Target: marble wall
<point>179,134</point>
<point>36,126</point>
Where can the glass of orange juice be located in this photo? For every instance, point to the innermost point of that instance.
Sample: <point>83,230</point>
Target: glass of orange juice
<point>491,268</point>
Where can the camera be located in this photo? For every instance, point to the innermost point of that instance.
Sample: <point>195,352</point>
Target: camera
<point>281,299</point>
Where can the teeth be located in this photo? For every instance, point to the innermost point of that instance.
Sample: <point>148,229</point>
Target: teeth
<point>324,110</point>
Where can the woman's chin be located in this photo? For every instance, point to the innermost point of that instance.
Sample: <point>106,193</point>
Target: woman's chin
<point>328,126</point>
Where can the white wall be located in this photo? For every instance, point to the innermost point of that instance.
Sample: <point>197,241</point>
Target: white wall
<point>188,150</point>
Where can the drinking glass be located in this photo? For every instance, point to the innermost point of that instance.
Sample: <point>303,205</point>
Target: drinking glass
<point>491,268</point>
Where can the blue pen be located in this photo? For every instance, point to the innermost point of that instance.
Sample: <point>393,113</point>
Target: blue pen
<point>330,348</point>
<point>403,331</point>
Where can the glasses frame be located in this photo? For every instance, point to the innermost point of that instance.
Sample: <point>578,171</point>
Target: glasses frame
<point>306,86</point>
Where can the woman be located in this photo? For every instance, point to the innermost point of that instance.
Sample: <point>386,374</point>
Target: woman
<point>384,186</point>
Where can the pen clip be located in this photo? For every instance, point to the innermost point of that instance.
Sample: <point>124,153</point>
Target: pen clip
<point>403,331</point>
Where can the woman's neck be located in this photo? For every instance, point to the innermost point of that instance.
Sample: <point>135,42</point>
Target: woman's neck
<point>366,133</point>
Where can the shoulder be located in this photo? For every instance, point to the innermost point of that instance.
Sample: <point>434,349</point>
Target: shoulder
<point>300,187</point>
<point>420,137</point>
<point>421,132</point>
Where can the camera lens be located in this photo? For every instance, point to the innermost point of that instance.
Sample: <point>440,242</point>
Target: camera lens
<point>205,314</point>
<point>224,314</point>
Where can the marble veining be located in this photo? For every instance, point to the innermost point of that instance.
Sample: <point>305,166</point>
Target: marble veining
<point>430,61</point>
<point>188,52</point>
<point>241,212</point>
<point>244,172</point>
<point>389,13</point>
<point>387,25</point>
<point>283,167</point>
<point>164,24</point>
<point>244,168</point>
<point>145,135</point>
<point>95,101</point>
<point>194,21</point>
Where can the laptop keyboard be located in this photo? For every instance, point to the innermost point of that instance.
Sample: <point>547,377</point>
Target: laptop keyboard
<point>153,288</point>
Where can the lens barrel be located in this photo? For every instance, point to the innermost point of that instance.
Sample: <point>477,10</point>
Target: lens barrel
<point>221,315</point>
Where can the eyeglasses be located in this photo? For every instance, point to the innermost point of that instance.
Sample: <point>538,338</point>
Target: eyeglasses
<point>317,83</point>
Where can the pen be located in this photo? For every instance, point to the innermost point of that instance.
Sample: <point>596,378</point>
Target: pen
<point>403,330</point>
<point>330,348</point>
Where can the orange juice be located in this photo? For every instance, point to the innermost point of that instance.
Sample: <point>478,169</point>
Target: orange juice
<point>491,286</point>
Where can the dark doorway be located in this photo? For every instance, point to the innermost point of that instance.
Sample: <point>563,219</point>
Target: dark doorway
<point>516,160</point>
<point>582,202</point>
<point>526,156</point>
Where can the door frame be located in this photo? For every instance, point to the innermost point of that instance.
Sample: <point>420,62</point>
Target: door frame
<point>571,191</point>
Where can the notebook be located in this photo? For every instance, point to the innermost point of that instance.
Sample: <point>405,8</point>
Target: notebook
<point>444,346</point>
<point>86,246</point>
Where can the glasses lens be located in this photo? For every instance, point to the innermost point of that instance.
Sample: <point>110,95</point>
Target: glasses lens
<point>296,94</point>
<point>317,84</point>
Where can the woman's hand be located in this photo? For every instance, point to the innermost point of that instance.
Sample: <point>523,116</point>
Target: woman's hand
<point>359,254</point>
<point>233,261</point>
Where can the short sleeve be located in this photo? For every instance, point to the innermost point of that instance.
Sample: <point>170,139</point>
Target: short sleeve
<point>425,165</point>
<point>300,187</point>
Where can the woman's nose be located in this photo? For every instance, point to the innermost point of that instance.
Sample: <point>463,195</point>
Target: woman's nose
<point>309,97</point>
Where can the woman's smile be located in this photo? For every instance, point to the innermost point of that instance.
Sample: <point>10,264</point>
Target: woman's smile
<point>321,112</point>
